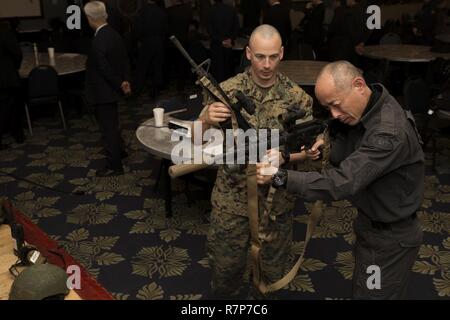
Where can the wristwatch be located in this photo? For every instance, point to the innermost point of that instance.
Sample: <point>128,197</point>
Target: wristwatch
<point>279,179</point>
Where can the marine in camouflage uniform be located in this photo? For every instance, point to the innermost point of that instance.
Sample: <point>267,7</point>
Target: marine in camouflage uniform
<point>229,233</point>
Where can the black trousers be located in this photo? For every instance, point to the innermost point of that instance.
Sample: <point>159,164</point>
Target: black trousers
<point>150,61</point>
<point>393,248</point>
<point>180,66</point>
<point>108,121</point>
<point>11,114</point>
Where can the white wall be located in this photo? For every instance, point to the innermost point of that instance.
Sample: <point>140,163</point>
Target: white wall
<point>20,8</point>
<point>51,8</point>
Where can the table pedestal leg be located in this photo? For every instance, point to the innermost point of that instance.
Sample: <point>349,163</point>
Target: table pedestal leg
<point>167,186</point>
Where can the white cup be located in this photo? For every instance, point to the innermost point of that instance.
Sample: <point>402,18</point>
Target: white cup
<point>158,113</point>
<point>51,53</point>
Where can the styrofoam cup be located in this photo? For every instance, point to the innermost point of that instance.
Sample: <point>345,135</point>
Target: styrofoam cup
<point>51,53</point>
<point>158,114</point>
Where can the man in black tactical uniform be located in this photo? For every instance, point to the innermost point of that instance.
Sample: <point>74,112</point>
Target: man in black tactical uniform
<point>378,165</point>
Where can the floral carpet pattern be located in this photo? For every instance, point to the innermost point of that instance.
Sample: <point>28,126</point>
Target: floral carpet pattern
<point>117,229</point>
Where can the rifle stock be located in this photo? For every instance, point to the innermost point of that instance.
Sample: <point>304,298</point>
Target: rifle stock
<point>303,134</point>
<point>178,170</point>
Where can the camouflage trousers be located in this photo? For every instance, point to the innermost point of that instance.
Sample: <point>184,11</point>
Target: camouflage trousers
<point>228,253</point>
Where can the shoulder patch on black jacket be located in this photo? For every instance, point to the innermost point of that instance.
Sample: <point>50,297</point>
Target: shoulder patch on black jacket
<point>382,142</point>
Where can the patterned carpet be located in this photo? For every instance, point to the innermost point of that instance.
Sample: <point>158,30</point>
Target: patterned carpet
<point>120,234</point>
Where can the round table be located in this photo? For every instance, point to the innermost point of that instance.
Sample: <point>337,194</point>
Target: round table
<point>65,63</point>
<point>403,53</point>
<point>157,141</point>
<point>302,72</point>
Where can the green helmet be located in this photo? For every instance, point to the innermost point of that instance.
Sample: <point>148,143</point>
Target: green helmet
<point>39,282</point>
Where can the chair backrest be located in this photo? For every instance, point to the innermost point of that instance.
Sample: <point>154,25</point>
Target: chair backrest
<point>43,82</point>
<point>391,38</point>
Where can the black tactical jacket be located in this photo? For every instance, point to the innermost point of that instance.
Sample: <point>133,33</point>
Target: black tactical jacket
<point>379,164</point>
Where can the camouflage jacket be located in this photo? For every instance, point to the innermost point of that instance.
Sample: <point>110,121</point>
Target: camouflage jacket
<point>230,190</point>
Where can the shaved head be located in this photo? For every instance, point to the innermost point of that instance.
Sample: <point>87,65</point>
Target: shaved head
<point>341,88</point>
<point>342,72</point>
<point>266,32</point>
<point>265,51</point>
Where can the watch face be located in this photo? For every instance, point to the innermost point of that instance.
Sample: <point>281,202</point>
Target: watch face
<point>279,179</point>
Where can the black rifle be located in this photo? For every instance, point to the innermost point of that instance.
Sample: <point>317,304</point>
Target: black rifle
<point>295,135</point>
<point>293,138</point>
<point>207,82</point>
<point>298,135</point>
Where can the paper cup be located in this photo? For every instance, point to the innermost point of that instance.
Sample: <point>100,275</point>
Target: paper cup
<point>51,53</point>
<point>158,114</point>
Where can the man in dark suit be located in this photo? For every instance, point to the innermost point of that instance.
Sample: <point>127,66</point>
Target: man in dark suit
<point>425,24</point>
<point>348,32</point>
<point>223,28</point>
<point>277,15</point>
<point>180,16</point>
<point>115,19</point>
<point>313,24</point>
<point>10,60</point>
<point>151,32</point>
<point>107,77</point>
<point>251,12</point>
